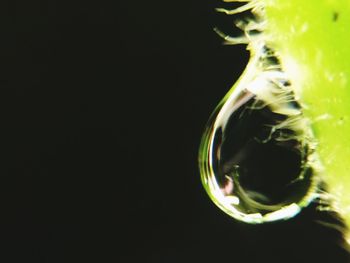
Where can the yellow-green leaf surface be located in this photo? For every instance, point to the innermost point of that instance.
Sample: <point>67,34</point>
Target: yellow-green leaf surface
<point>313,41</point>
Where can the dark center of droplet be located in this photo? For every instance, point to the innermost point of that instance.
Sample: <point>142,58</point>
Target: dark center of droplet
<point>267,168</point>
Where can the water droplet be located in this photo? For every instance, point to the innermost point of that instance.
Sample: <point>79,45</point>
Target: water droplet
<point>257,157</point>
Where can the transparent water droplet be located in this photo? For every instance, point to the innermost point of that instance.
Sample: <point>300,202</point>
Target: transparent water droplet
<point>257,157</point>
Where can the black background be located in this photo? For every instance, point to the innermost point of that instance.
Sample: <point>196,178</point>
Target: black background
<point>103,106</point>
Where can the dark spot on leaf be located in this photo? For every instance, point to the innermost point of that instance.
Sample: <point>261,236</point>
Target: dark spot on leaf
<point>335,16</point>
